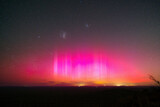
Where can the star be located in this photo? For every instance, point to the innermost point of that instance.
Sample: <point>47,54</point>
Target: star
<point>86,25</point>
<point>63,35</point>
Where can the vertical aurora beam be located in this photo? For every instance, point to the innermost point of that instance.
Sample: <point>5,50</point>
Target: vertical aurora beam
<point>81,67</point>
<point>55,65</point>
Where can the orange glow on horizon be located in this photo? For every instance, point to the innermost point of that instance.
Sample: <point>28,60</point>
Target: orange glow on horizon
<point>94,69</point>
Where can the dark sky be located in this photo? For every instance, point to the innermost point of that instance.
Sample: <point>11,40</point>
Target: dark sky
<point>34,29</point>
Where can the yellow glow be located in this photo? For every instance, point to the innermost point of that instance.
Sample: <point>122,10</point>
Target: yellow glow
<point>124,84</point>
<point>99,82</point>
<point>81,84</point>
<point>119,84</point>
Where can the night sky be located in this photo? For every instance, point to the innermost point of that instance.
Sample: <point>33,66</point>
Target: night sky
<point>33,32</point>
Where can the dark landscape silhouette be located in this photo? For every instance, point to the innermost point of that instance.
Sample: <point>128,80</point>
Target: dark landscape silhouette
<point>144,96</point>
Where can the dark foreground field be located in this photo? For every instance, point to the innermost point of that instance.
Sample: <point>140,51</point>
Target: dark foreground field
<point>79,96</point>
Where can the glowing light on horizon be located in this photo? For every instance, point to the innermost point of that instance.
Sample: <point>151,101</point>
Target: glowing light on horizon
<point>119,84</point>
<point>81,84</point>
<point>95,68</point>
